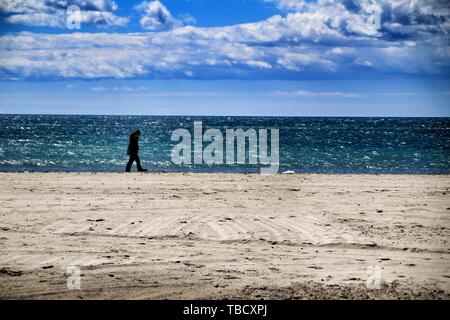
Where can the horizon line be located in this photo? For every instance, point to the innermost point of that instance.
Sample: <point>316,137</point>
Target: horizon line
<point>199,115</point>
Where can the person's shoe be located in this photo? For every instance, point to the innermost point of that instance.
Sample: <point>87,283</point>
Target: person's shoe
<point>143,170</point>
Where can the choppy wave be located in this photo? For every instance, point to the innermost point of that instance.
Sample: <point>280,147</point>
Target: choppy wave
<point>322,145</point>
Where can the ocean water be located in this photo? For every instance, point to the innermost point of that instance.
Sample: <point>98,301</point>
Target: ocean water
<point>313,145</point>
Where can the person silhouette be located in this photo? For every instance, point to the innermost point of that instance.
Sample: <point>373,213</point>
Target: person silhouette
<point>133,152</point>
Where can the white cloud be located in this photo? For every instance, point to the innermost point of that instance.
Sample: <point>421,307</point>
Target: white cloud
<point>130,89</point>
<point>295,5</point>
<point>54,20</point>
<point>145,92</point>
<point>98,89</point>
<point>329,41</point>
<point>156,17</point>
<point>52,13</point>
<point>258,64</point>
<point>364,62</point>
<point>398,17</point>
<point>312,94</point>
<point>187,19</point>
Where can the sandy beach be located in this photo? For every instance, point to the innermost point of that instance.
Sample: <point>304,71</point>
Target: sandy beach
<point>200,235</point>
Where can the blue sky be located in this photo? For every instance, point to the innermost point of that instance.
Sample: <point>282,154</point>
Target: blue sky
<point>226,57</point>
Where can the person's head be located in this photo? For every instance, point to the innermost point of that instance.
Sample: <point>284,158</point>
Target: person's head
<point>137,133</point>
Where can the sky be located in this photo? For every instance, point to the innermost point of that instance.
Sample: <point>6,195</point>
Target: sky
<point>226,57</point>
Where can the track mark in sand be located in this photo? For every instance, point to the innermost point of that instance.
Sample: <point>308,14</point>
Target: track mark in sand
<point>9,272</point>
<point>296,231</point>
<point>308,229</point>
<point>244,227</point>
<point>329,233</point>
<point>220,231</point>
<point>284,232</point>
<point>61,227</point>
<point>150,229</point>
<point>275,230</point>
<point>243,231</point>
<point>169,227</point>
<point>274,233</point>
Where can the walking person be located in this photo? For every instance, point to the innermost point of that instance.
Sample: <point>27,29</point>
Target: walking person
<point>133,152</point>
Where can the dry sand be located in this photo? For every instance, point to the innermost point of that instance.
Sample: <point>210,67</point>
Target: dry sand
<point>172,236</point>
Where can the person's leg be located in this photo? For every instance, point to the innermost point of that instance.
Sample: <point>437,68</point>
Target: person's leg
<point>138,163</point>
<point>130,163</point>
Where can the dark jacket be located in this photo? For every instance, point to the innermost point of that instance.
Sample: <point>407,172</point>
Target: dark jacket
<point>133,147</point>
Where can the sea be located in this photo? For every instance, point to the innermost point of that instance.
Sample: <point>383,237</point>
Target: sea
<point>70,143</point>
